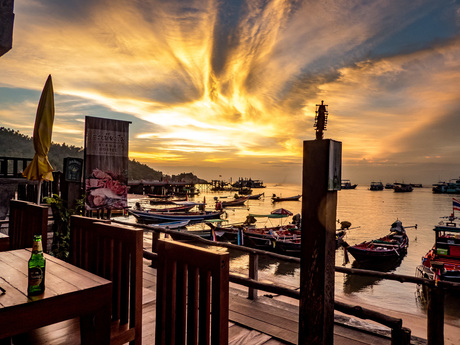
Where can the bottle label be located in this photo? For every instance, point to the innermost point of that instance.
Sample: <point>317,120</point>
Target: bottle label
<point>37,247</point>
<point>35,276</point>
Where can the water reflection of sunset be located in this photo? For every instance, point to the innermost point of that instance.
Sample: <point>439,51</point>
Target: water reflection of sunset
<point>213,87</point>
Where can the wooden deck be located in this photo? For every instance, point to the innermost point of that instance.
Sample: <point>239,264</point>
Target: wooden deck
<point>264,321</point>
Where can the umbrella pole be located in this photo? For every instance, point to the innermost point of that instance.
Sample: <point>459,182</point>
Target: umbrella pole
<point>39,191</point>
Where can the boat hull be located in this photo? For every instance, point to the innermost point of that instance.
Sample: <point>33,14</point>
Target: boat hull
<point>236,202</point>
<point>374,255</point>
<point>291,198</point>
<point>170,217</point>
<point>256,196</point>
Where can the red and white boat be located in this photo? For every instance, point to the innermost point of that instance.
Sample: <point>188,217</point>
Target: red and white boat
<point>442,262</point>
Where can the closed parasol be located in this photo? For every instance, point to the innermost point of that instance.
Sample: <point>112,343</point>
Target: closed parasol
<point>40,168</point>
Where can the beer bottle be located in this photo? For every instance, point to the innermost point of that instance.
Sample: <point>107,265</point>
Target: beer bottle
<point>36,268</point>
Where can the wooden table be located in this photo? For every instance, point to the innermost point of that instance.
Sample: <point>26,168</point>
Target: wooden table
<point>69,292</point>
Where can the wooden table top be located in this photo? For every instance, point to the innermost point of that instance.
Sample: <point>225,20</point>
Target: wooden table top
<point>69,292</point>
<point>61,278</point>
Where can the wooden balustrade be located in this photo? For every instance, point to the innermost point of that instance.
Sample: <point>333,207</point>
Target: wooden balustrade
<point>13,167</point>
<point>399,334</point>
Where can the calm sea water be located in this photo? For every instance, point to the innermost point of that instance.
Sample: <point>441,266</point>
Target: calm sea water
<point>371,214</point>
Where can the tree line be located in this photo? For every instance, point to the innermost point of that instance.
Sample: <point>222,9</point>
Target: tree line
<point>17,145</point>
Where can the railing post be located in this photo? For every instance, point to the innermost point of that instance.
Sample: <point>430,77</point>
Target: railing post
<point>15,167</point>
<point>400,336</point>
<point>253,273</point>
<point>435,316</point>
<point>24,164</point>
<point>4,167</point>
<point>155,237</point>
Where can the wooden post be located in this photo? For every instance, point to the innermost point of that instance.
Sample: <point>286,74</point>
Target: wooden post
<point>155,237</point>
<point>321,179</point>
<point>400,336</point>
<point>435,316</point>
<point>70,193</point>
<point>253,273</point>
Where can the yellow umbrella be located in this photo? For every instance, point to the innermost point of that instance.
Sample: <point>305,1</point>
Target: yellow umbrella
<point>40,168</point>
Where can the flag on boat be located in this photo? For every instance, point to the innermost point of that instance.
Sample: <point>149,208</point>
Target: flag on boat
<point>456,204</point>
<point>213,236</point>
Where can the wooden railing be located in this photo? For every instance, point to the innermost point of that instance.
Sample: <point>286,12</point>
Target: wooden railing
<point>399,334</point>
<point>11,167</point>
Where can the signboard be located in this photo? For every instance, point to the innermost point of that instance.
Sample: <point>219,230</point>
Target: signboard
<point>73,168</point>
<point>334,181</point>
<point>106,163</point>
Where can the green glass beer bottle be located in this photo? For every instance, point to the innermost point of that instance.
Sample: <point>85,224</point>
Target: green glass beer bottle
<point>36,268</point>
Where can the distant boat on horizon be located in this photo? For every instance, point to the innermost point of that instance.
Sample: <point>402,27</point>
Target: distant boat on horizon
<point>376,185</point>
<point>402,188</point>
<point>346,184</point>
<point>389,186</point>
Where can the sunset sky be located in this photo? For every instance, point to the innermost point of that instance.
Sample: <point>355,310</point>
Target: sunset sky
<point>228,88</point>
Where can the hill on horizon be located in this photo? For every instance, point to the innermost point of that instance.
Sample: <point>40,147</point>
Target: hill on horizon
<point>17,145</point>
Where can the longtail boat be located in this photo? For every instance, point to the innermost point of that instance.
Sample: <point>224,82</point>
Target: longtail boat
<point>390,247</point>
<point>160,217</point>
<point>235,202</point>
<point>289,198</point>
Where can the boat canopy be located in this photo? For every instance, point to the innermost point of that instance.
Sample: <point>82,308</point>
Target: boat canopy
<point>269,215</point>
<point>446,228</point>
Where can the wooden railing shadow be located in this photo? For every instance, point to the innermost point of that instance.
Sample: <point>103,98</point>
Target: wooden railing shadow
<point>26,220</point>
<point>192,295</point>
<point>114,253</point>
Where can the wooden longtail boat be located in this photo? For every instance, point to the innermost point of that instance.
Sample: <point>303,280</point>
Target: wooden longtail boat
<point>236,202</point>
<point>264,238</point>
<point>179,206</point>
<point>289,198</point>
<point>165,201</point>
<point>183,208</point>
<point>256,196</point>
<point>160,217</point>
<point>390,247</point>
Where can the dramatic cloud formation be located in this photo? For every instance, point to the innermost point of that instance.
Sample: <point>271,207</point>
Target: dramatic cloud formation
<point>230,87</point>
